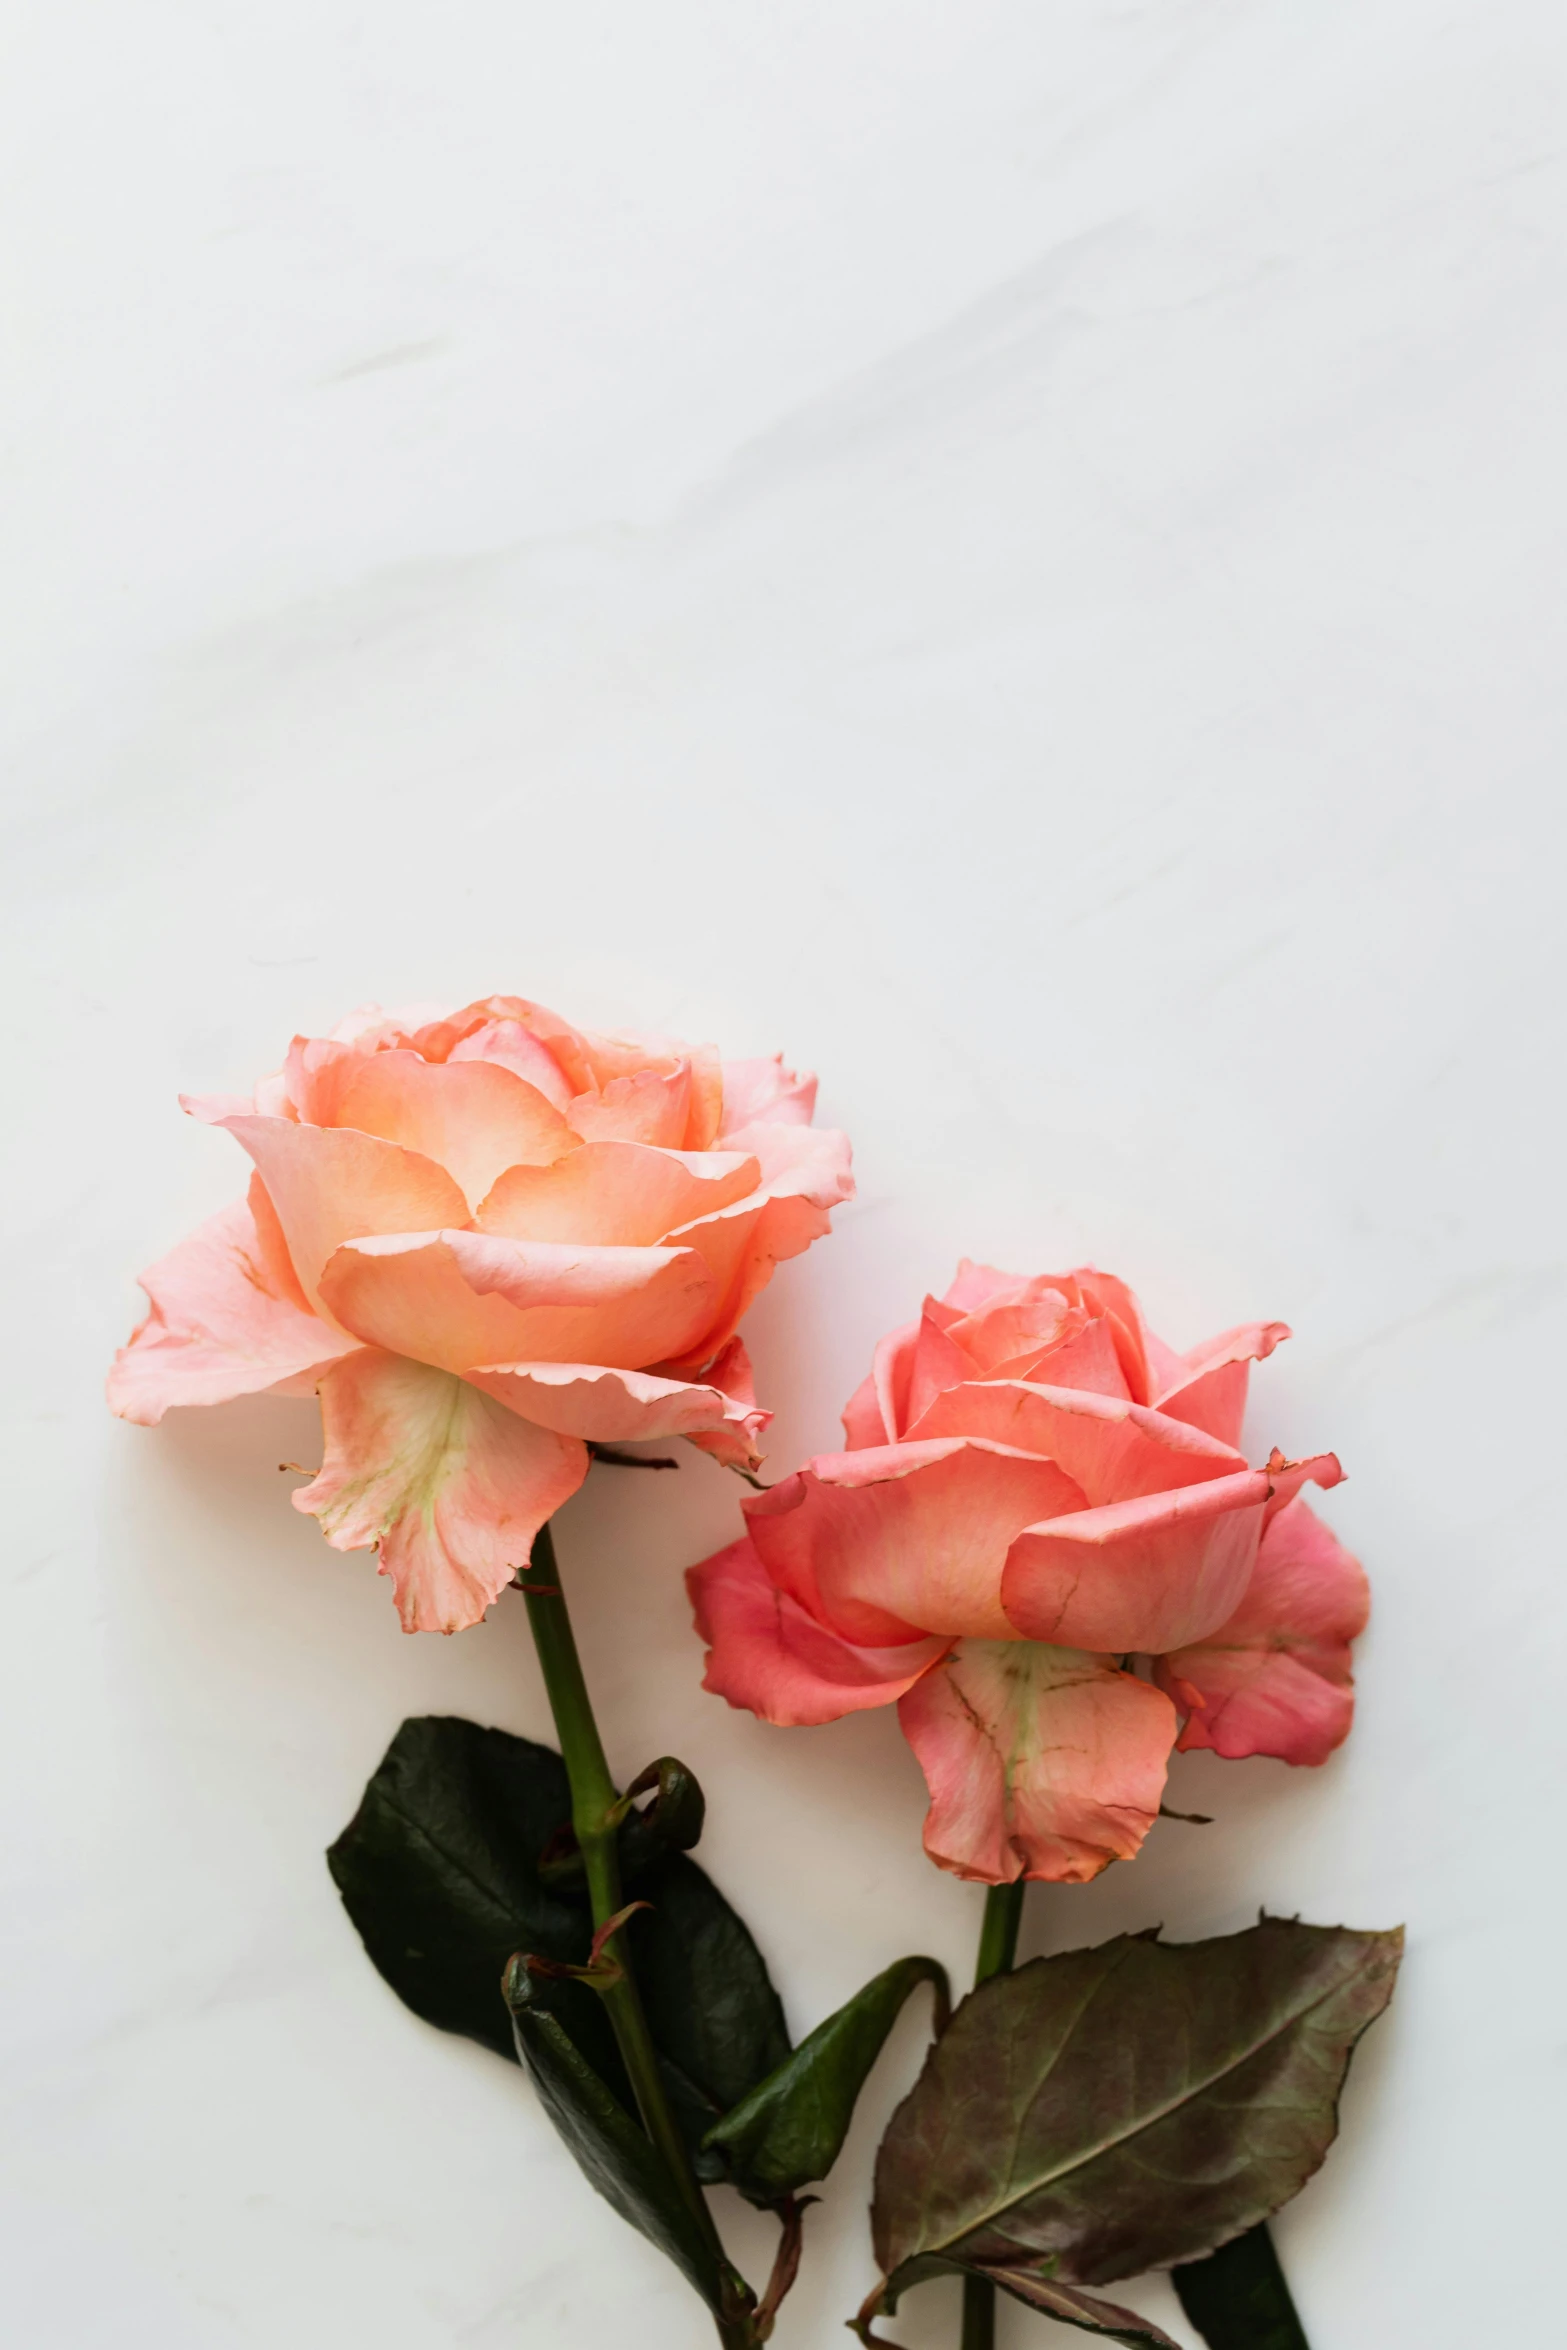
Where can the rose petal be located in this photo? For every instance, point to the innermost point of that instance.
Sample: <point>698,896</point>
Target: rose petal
<point>331,1186</point>
<point>765,1092</point>
<point>1285,1478</point>
<point>875,1412</point>
<point>615,1193</point>
<point>1031,1320</point>
<point>459,1299</point>
<point>439,1038</point>
<point>886,1544</point>
<point>611,1406</point>
<point>1276,1678</point>
<point>447,1484</point>
<point>1138,1576</point>
<point>811,1162</point>
<point>735,1443</point>
<point>978,1288</point>
<point>1085,1358</point>
<point>1116,1451</point>
<point>974,1285</point>
<point>220,1324</point>
<point>473,1118</point>
<point>1209,1388</point>
<point>937,1364</point>
<point>767,1655</point>
<point>510,1046</point>
<point>1041,1762</point>
<point>650,1106</point>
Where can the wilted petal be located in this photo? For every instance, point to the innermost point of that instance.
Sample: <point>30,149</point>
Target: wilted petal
<point>1276,1678</point>
<point>1041,1762</point>
<point>223,1322</point>
<point>1141,1576</point>
<point>461,1299</point>
<point>886,1544</point>
<point>615,1194</point>
<point>766,1654</point>
<point>447,1484</point>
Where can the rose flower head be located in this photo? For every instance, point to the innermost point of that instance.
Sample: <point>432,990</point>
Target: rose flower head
<point>487,1239</point>
<point>1037,1493</point>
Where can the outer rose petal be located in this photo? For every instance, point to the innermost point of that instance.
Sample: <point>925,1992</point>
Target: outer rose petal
<point>886,1544</point>
<point>1115,1451</point>
<point>1041,1762</point>
<point>766,1654</point>
<point>328,1187</point>
<point>617,1194</point>
<point>740,1246</point>
<point>734,1444</point>
<point>757,1092</point>
<point>1145,1575</point>
<point>448,1485</point>
<point>1209,1388</point>
<point>462,1299</point>
<point>1276,1678</point>
<point>220,1325</point>
<point>610,1406</point>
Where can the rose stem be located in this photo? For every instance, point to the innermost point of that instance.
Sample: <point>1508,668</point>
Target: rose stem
<point>593,1794</point>
<point>997,1950</point>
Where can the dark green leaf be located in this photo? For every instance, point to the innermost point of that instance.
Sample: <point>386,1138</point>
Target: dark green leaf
<point>674,1820</point>
<point>1237,2298</point>
<point>612,2150</point>
<point>1114,2110</point>
<point>440,1871</point>
<point>711,2006</point>
<point>792,2126</point>
<point>1035,2289</point>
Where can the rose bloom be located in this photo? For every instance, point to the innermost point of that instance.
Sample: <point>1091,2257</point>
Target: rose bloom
<point>1036,1493</point>
<point>485,1239</point>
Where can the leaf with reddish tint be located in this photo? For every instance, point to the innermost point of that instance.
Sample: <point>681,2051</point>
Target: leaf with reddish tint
<point>1109,2111</point>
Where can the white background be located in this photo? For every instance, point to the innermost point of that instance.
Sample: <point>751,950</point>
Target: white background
<point>1011,548</point>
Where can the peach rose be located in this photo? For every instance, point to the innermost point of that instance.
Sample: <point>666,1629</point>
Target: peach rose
<point>487,1239</point>
<point>1037,1491</point>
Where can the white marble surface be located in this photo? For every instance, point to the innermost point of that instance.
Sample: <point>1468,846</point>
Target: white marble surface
<point>1014,550</point>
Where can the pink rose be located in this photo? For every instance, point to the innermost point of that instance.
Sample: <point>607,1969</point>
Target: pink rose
<point>1036,1491</point>
<point>486,1239</point>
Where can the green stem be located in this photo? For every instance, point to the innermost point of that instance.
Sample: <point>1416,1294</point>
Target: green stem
<point>997,1950</point>
<point>998,1934</point>
<point>593,1795</point>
